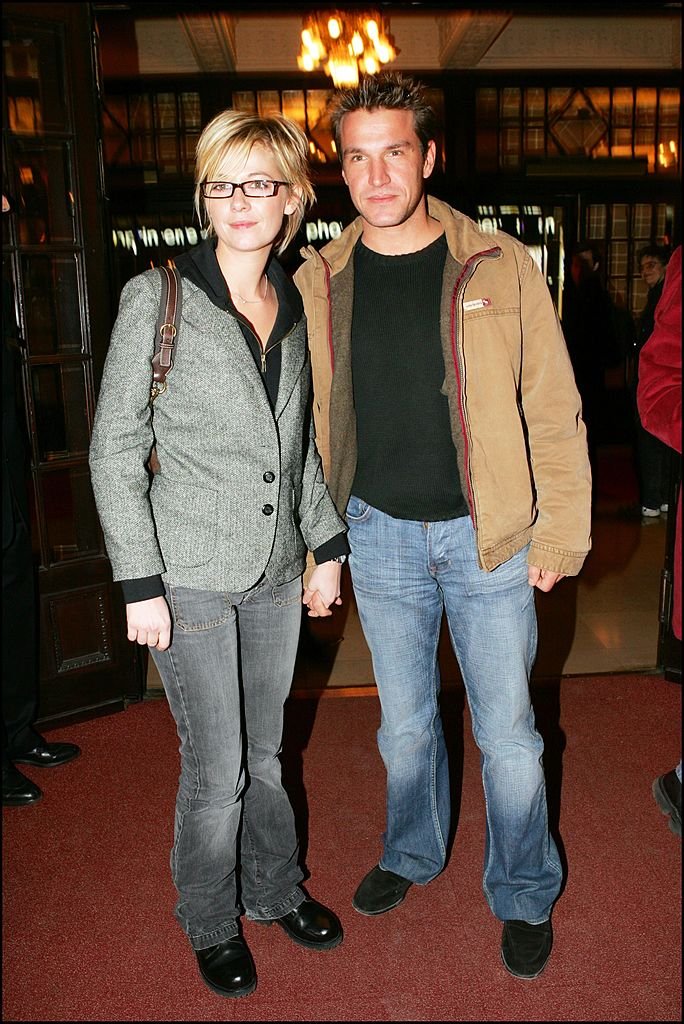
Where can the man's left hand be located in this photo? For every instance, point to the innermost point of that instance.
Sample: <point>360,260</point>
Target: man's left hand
<point>543,579</point>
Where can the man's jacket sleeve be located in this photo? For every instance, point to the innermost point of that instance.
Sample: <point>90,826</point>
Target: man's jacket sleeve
<point>551,407</point>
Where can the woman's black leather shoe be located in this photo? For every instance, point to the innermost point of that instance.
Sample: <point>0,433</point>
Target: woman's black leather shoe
<point>311,925</point>
<point>227,968</point>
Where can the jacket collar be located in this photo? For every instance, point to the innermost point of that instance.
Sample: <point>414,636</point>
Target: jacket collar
<point>201,266</point>
<point>464,238</point>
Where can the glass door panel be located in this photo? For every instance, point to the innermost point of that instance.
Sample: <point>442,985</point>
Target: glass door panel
<point>71,524</point>
<point>34,76</point>
<point>59,399</point>
<point>44,190</point>
<point>53,316</point>
<point>293,106</point>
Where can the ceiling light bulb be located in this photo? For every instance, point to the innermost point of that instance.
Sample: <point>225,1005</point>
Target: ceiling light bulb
<point>345,44</point>
<point>357,45</point>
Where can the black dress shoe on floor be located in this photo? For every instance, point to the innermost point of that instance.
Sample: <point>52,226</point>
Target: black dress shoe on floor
<point>311,925</point>
<point>17,790</point>
<point>49,755</point>
<point>525,948</point>
<point>227,968</point>
<point>380,891</point>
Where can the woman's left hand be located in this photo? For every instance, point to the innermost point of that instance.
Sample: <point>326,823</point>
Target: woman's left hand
<point>323,589</point>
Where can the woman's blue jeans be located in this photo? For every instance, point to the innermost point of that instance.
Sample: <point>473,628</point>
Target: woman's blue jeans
<point>405,575</point>
<point>227,674</point>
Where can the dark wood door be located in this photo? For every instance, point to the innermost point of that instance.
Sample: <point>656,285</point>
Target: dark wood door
<point>56,256</point>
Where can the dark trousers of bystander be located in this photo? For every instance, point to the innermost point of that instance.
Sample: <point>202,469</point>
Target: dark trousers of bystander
<point>19,653</point>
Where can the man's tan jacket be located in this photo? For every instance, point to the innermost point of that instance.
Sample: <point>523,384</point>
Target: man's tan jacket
<point>519,439</point>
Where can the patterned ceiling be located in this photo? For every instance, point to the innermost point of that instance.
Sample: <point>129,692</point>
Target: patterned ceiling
<point>198,42</point>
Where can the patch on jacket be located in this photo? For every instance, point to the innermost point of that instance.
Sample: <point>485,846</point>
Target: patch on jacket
<point>476,304</point>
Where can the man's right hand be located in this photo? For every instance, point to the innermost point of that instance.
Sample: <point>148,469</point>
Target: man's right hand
<point>149,622</point>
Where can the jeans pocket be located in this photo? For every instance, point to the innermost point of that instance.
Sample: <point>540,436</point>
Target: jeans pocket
<point>358,510</point>
<point>195,610</point>
<point>510,574</point>
<point>287,593</point>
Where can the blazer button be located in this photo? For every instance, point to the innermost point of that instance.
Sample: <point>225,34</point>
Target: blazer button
<point>267,510</point>
<point>269,477</point>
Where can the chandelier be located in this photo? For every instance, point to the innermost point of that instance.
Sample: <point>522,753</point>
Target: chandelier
<point>347,43</point>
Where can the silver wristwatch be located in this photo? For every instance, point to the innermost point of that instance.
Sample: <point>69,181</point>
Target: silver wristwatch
<point>339,558</point>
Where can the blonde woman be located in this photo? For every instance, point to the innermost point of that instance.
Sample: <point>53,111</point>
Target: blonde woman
<point>211,555</point>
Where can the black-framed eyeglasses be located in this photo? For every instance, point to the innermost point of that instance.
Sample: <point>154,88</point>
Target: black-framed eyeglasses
<point>258,188</point>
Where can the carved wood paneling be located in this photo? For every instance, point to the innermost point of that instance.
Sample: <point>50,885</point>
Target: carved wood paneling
<point>80,627</point>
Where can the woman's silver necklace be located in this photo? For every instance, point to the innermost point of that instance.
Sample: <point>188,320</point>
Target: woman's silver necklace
<point>251,302</point>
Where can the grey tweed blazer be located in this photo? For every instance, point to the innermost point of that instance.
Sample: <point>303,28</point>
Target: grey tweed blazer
<point>240,491</point>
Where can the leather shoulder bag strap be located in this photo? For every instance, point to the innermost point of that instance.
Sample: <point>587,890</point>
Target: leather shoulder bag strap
<point>166,330</point>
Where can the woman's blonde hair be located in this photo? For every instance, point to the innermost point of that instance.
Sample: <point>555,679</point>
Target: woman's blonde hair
<point>231,135</point>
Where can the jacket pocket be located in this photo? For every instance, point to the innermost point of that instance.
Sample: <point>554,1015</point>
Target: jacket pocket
<point>185,518</point>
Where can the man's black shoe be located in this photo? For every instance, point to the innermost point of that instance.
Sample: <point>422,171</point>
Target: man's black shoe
<point>17,790</point>
<point>49,755</point>
<point>525,948</point>
<point>380,891</point>
<point>667,789</point>
<point>227,968</point>
<point>311,925</point>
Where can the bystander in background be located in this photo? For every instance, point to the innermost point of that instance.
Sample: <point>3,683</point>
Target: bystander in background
<point>21,743</point>
<point>653,458</point>
<point>590,333</point>
<point>659,398</point>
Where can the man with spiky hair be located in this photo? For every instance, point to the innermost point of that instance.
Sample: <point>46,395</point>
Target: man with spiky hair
<point>449,425</point>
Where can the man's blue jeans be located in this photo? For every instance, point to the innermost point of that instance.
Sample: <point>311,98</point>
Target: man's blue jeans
<point>227,674</point>
<point>405,574</point>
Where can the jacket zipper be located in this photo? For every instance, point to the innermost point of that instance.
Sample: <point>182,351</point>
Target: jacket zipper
<point>326,270</point>
<point>469,269</point>
<point>265,351</point>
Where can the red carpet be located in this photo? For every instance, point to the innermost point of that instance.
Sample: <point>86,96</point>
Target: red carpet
<point>88,926</point>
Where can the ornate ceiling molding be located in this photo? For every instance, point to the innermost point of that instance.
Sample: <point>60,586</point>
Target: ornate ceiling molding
<point>217,42</point>
<point>603,41</point>
<point>211,38</point>
<point>466,37</point>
